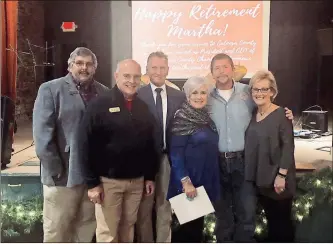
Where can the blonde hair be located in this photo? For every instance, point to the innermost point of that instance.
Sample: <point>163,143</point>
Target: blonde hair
<point>158,54</point>
<point>264,74</point>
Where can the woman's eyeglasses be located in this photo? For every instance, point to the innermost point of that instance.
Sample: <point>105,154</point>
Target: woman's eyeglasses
<point>262,90</point>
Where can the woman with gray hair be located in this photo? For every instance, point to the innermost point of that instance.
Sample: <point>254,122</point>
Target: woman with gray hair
<point>194,153</point>
<point>269,157</point>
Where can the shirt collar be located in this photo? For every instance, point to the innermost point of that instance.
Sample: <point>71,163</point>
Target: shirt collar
<point>89,86</point>
<point>153,87</point>
<point>234,88</point>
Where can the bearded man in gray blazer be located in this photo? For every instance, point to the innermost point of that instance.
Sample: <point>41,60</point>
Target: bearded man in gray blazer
<point>68,215</point>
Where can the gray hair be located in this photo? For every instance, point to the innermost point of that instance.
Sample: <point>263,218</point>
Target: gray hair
<point>158,54</point>
<point>83,52</point>
<point>193,83</point>
<point>264,74</point>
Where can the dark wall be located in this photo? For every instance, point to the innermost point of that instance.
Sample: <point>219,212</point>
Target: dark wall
<point>30,69</point>
<point>93,19</point>
<point>293,51</point>
<point>326,62</point>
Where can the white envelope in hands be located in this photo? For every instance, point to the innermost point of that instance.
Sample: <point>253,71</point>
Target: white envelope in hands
<point>187,210</point>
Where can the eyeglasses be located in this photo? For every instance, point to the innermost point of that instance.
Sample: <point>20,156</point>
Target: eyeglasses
<point>81,64</point>
<point>262,90</point>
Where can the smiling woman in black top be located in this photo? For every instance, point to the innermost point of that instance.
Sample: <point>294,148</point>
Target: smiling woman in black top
<point>269,157</point>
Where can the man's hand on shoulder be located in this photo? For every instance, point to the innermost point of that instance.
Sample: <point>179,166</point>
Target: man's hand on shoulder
<point>289,113</point>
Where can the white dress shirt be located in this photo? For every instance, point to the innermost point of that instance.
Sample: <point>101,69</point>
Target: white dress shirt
<point>164,105</point>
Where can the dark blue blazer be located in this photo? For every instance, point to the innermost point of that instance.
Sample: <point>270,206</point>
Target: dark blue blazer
<point>175,99</point>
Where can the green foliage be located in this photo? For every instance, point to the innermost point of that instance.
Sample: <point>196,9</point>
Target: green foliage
<point>312,210</point>
<point>20,217</point>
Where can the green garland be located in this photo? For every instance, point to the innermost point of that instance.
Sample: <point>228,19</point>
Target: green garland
<point>314,190</point>
<point>20,217</point>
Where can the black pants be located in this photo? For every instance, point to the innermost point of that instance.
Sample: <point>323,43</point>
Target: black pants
<point>278,214</point>
<point>235,211</point>
<point>191,232</point>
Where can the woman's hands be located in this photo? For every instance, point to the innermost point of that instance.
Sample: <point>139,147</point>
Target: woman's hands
<point>280,181</point>
<point>189,189</point>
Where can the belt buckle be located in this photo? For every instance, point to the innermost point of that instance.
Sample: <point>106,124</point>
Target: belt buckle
<point>226,155</point>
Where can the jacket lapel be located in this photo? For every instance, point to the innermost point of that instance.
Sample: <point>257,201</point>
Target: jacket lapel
<point>148,96</point>
<point>169,106</point>
<point>99,89</point>
<point>74,92</point>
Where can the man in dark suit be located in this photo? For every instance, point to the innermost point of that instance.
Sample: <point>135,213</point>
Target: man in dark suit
<point>163,101</point>
<point>68,215</point>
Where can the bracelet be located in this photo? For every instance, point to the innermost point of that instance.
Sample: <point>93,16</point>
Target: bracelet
<point>185,179</point>
<point>281,175</point>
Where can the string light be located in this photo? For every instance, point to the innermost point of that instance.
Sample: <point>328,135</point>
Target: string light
<point>307,205</point>
<point>19,208</point>
<point>258,229</point>
<point>212,227</point>
<point>299,217</point>
<point>26,213</point>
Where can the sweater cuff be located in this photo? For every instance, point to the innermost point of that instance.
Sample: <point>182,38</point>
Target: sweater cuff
<point>91,183</point>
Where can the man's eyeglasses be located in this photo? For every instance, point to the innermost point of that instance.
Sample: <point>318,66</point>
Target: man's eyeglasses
<point>262,90</point>
<point>81,64</point>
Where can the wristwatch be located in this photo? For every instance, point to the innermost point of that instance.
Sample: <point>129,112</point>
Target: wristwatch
<point>282,175</point>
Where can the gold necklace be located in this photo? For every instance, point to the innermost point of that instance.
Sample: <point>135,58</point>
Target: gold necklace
<point>263,113</point>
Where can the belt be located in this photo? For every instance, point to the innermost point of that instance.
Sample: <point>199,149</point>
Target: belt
<point>238,154</point>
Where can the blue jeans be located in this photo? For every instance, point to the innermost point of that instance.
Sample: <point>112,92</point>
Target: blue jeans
<point>236,210</point>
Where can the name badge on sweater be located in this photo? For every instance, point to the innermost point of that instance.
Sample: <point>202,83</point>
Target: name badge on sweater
<point>114,110</point>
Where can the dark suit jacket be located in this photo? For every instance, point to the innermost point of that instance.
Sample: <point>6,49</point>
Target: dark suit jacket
<point>57,113</point>
<point>175,99</point>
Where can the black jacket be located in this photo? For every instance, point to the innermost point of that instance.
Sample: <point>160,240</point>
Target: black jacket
<point>115,142</point>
